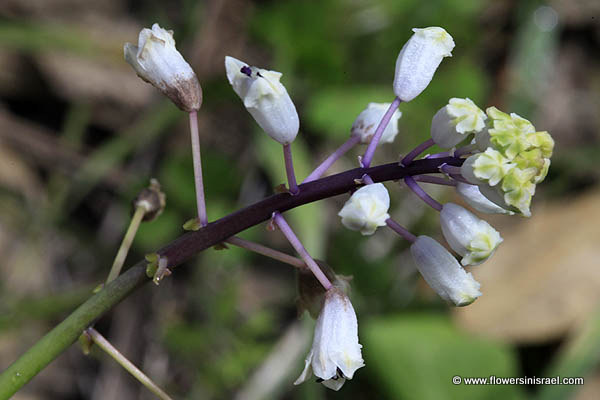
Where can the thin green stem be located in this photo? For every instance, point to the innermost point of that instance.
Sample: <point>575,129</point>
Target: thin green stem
<point>66,333</point>
<point>136,220</point>
<point>125,363</point>
<point>181,249</point>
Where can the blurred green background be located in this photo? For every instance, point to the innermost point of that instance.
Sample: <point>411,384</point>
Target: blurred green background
<point>80,134</point>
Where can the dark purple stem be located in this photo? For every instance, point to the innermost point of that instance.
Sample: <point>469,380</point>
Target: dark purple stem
<point>190,243</point>
<point>416,151</point>
<point>436,180</point>
<point>400,230</point>
<point>297,245</point>
<point>412,185</point>
<point>368,157</point>
<point>329,161</point>
<point>289,169</point>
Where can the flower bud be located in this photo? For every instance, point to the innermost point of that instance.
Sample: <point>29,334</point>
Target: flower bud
<point>473,197</point>
<point>473,238</point>
<point>265,98</point>
<point>152,199</point>
<point>367,121</point>
<point>335,354</point>
<point>418,60</point>
<point>454,122</point>
<point>366,209</point>
<point>443,273</point>
<point>156,60</point>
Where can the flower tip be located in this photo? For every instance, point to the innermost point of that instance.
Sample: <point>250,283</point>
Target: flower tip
<point>156,60</point>
<point>419,59</point>
<point>439,36</point>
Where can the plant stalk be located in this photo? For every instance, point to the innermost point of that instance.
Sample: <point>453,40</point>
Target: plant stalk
<point>186,246</point>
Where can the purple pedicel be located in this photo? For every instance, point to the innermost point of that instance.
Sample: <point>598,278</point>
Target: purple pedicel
<point>454,173</point>
<point>400,230</point>
<point>439,155</point>
<point>200,198</point>
<point>297,245</point>
<point>367,179</point>
<point>412,185</point>
<point>416,151</point>
<point>329,161</point>
<point>436,180</point>
<point>289,169</point>
<point>368,157</point>
<point>463,151</point>
<point>246,70</point>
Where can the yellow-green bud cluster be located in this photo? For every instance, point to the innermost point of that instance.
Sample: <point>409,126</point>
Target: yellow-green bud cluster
<point>514,158</point>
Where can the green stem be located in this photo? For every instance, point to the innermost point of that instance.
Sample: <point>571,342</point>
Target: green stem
<point>125,363</point>
<point>67,332</point>
<point>126,244</point>
<point>187,245</point>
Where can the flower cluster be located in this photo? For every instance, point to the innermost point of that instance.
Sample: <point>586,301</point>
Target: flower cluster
<point>505,159</point>
<point>512,156</point>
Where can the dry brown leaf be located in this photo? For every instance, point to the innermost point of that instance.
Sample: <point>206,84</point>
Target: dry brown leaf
<point>590,390</point>
<point>544,278</point>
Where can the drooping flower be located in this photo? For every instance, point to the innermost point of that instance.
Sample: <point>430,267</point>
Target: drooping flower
<point>443,273</point>
<point>335,354</point>
<point>455,121</point>
<point>419,59</point>
<point>156,60</point>
<point>265,98</point>
<point>366,209</point>
<point>473,238</point>
<point>367,121</point>
<point>472,195</point>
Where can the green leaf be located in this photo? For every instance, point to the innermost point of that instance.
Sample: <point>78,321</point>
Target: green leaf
<point>332,111</point>
<point>416,356</point>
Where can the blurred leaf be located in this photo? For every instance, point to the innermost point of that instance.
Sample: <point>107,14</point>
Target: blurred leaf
<point>579,357</point>
<point>13,313</point>
<point>44,37</point>
<point>331,111</point>
<point>305,37</point>
<point>416,356</point>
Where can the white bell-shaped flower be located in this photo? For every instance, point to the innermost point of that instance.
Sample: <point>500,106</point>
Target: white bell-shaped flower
<point>335,354</point>
<point>265,98</point>
<point>471,237</point>
<point>367,121</point>
<point>455,121</point>
<point>473,197</point>
<point>419,59</point>
<point>366,209</point>
<point>156,60</point>
<point>443,273</point>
